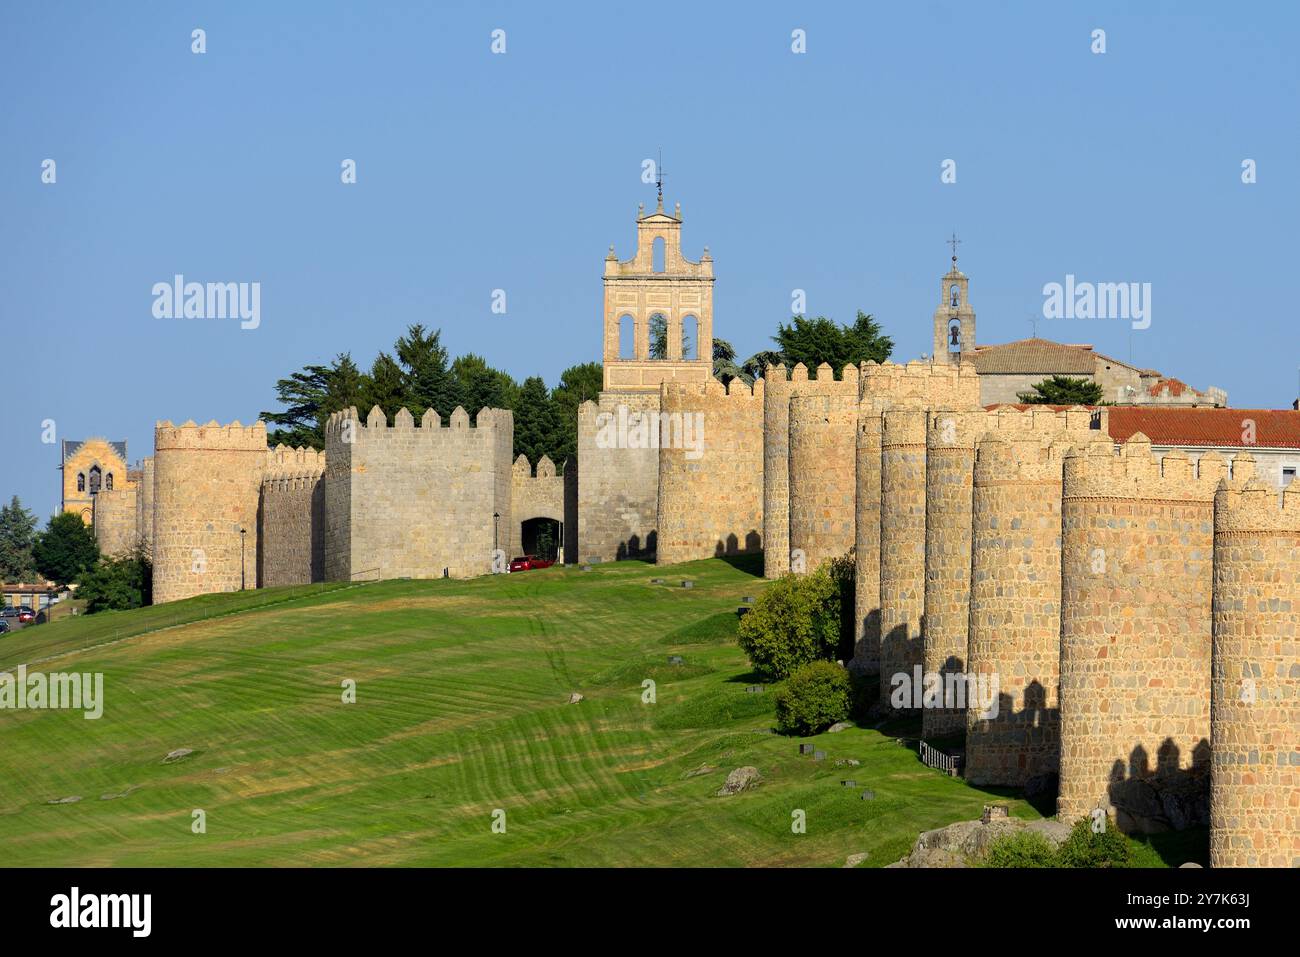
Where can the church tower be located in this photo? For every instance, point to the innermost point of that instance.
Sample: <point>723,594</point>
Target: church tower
<point>954,320</point>
<point>658,309</point>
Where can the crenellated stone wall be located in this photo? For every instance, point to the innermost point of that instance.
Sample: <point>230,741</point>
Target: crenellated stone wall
<point>207,484</point>
<point>822,468</point>
<point>293,518</point>
<point>408,502</point>
<point>918,386</point>
<point>902,545</point>
<point>710,470</point>
<point>1255,688</point>
<point>114,516</point>
<point>1014,629</point>
<point>1136,582</point>
<point>618,476</point>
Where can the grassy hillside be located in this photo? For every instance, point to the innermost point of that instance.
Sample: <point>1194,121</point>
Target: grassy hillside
<point>462,691</point>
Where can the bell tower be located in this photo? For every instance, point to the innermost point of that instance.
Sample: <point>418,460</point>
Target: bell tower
<point>954,320</point>
<point>658,315</point>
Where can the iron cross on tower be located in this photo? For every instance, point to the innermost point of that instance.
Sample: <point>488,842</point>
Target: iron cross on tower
<point>659,177</point>
<point>954,243</point>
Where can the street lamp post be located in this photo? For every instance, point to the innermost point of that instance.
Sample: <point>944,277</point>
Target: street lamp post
<point>241,558</point>
<point>496,519</point>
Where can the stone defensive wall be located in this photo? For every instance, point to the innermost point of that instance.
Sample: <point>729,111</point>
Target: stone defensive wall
<point>144,506</point>
<point>902,544</point>
<point>207,482</point>
<point>408,502</point>
<point>115,520</point>
<point>949,481</point>
<point>1136,583</point>
<point>618,476</point>
<point>1255,688</point>
<point>1015,590</point>
<point>918,386</point>
<point>293,518</point>
<point>536,496</point>
<point>710,470</point>
<point>822,483</point>
<point>779,388</point>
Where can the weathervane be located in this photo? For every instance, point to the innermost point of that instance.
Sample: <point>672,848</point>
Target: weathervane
<point>954,243</point>
<point>659,177</point>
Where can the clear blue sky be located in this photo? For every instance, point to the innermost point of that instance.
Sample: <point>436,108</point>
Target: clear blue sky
<point>478,171</point>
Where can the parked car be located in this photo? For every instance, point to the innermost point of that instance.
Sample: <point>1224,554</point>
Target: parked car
<point>26,614</point>
<point>10,611</point>
<point>527,562</point>
<point>4,626</point>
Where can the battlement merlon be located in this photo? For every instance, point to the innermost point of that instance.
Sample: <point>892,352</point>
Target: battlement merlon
<point>1095,470</point>
<point>1245,503</point>
<point>678,392</point>
<point>337,427</point>
<point>1010,459</point>
<point>777,378</point>
<point>189,435</point>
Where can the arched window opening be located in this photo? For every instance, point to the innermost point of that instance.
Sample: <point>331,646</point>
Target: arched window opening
<point>954,294</point>
<point>658,336</point>
<point>95,480</point>
<point>81,481</point>
<point>626,337</point>
<point>108,482</point>
<point>690,338</point>
<point>658,253</point>
<point>954,336</point>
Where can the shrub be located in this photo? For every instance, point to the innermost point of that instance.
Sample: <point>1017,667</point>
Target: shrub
<point>794,622</point>
<point>1025,849</point>
<point>1083,848</point>
<point>815,697</point>
<point>116,583</point>
<point>844,573</point>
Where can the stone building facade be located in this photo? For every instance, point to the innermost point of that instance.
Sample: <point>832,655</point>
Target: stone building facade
<point>1254,705</point>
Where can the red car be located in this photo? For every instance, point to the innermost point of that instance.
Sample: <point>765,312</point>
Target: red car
<point>527,562</point>
<point>26,615</point>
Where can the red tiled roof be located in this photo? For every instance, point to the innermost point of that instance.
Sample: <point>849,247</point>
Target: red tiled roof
<point>1217,428</point>
<point>1175,387</point>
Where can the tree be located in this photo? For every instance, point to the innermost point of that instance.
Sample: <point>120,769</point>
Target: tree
<point>756,365</point>
<point>303,393</point>
<point>116,583</point>
<point>17,535</point>
<point>536,422</point>
<point>310,396</point>
<point>724,364</point>
<point>480,386</point>
<point>577,384</point>
<point>66,549</point>
<point>1063,390</point>
<point>795,621</point>
<point>429,382</point>
<point>814,341</point>
<point>385,387</point>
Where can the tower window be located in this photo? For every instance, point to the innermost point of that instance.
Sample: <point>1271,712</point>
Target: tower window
<point>657,254</point>
<point>658,336</point>
<point>95,480</point>
<point>108,482</point>
<point>954,295</point>
<point>690,337</point>
<point>626,337</point>
<point>81,481</point>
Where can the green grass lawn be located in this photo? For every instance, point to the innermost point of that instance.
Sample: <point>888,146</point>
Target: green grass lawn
<point>462,690</point>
